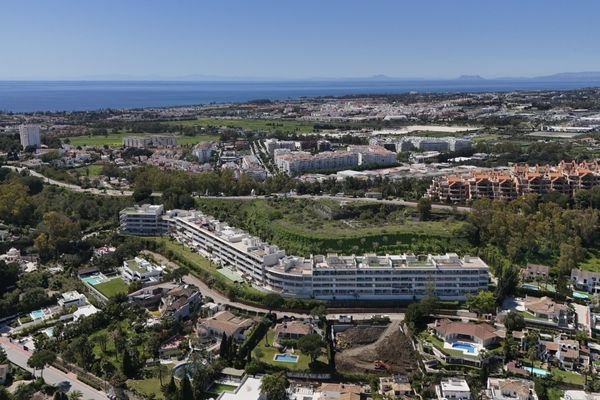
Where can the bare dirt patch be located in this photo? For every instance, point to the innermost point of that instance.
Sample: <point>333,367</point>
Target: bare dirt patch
<point>389,352</point>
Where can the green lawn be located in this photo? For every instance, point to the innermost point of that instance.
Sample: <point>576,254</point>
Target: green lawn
<point>567,376</point>
<point>555,393</point>
<point>116,139</point>
<point>152,385</point>
<point>90,170</point>
<point>250,124</point>
<point>112,287</point>
<point>267,353</point>
<point>300,227</point>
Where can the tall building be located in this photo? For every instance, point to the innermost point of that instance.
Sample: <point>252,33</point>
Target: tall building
<point>369,276</point>
<point>143,220</point>
<point>30,135</point>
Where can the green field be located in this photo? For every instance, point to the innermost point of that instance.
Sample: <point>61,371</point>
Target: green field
<point>267,353</point>
<point>299,227</point>
<point>250,124</point>
<point>116,139</point>
<point>112,287</point>
<point>90,170</point>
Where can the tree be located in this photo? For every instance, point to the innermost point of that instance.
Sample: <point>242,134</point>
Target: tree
<point>102,340</point>
<point>127,364</point>
<point>40,359</point>
<point>311,345</point>
<point>319,312</point>
<point>273,300</point>
<point>75,395</point>
<point>170,391</point>
<point>274,386</point>
<point>140,194</point>
<point>514,321</point>
<point>484,302</point>
<point>424,208</point>
<point>223,350</point>
<point>185,390</point>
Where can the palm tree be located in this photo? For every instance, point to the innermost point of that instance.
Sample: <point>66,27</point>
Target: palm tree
<point>274,386</point>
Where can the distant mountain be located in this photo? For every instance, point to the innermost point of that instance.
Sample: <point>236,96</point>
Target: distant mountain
<point>572,76</point>
<point>470,78</point>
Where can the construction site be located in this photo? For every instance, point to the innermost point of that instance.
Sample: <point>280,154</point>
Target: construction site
<point>375,349</point>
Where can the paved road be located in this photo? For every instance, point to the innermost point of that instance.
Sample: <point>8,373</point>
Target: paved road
<point>18,356</point>
<point>126,193</point>
<point>361,199</point>
<point>221,299</point>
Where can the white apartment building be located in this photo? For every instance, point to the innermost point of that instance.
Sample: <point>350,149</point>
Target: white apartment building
<point>143,220</point>
<point>273,144</point>
<point>142,142</point>
<point>422,143</point>
<point>204,151</point>
<point>453,389</point>
<point>369,276</point>
<point>30,135</point>
<point>373,155</point>
<point>301,161</point>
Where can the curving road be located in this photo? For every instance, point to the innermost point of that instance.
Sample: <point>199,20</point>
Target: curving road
<point>19,356</point>
<point>126,193</point>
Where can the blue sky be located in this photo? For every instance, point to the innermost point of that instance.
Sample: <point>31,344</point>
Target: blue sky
<point>296,39</point>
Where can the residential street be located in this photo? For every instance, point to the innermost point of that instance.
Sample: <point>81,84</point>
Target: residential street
<point>17,355</point>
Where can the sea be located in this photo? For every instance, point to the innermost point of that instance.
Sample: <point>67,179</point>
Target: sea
<point>36,96</point>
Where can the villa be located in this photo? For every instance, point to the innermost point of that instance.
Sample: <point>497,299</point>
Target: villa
<point>150,296</point>
<point>567,352</point>
<point>72,298</point>
<point>452,332</point>
<point>224,322</point>
<point>453,389</point>
<point>178,302</point>
<point>510,389</point>
<point>463,343</point>
<point>586,280</point>
<point>535,272</point>
<point>395,387</point>
<point>292,330</point>
<point>546,308</point>
<point>339,391</point>
<point>139,269</point>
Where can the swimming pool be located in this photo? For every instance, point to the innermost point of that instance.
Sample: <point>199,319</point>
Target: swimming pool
<point>291,358</point>
<point>530,286</point>
<point>465,347</point>
<point>94,279</point>
<point>37,314</point>
<point>49,331</point>
<point>581,295</point>
<point>537,371</point>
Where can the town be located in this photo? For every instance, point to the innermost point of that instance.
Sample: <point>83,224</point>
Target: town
<point>365,247</point>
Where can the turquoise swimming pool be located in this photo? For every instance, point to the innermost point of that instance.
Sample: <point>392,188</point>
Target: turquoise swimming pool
<point>464,346</point>
<point>37,314</point>
<point>581,295</point>
<point>49,331</point>
<point>94,279</point>
<point>530,286</point>
<point>290,358</point>
<point>537,371</point>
